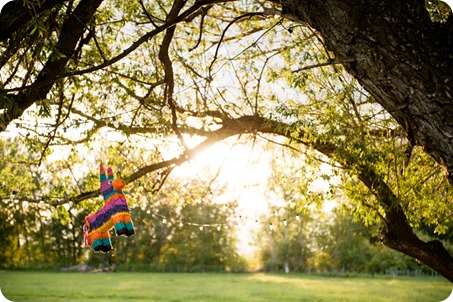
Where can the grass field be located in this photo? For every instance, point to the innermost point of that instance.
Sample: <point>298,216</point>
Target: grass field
<point>34,286</point>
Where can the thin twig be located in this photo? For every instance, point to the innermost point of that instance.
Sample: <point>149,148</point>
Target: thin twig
<point>58,123</point>
<point>247,15</point>
<point>334,61</point>
<point>168,68</point>
<point>200,36</point>
<point>150,18</point>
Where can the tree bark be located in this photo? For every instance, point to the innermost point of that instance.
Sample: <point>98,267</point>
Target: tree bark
<point>402,58</point>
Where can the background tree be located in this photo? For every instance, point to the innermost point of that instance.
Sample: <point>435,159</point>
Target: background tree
<point>284,240</point>
<point>126,75</point>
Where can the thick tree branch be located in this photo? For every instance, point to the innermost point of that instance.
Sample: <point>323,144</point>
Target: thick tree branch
<point>71,33</point>
<point>231,127</point>
<point>168,69</point>
<point>17,15</point>
<point>398,234</point>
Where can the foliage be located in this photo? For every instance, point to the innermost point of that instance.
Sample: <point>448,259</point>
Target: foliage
<point>332,244</point>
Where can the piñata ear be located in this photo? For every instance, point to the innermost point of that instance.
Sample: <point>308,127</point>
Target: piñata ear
<point>110,173</point>
<point>102,175</point>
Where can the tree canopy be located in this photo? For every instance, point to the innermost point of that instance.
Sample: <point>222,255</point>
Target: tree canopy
<point>362,85</point>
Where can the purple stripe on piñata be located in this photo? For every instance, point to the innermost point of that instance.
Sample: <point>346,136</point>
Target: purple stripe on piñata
<point>107,191</point>
<point>120,200</point>
<point>101,219</point>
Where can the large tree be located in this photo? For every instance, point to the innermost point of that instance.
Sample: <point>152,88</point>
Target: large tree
<point>217,69</point>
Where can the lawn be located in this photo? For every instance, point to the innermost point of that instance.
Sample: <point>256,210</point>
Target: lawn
<point>34,286</point>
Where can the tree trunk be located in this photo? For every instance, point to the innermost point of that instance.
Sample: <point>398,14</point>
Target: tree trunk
<point>402,58</point>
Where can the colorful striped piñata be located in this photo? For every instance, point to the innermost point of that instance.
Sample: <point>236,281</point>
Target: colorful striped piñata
<point>114,214</point>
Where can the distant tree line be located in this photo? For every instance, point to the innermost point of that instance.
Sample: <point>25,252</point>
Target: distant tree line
<point>293,242</point>
<point>331,243</point>
<point>178,228</point>
<point>198,237</point>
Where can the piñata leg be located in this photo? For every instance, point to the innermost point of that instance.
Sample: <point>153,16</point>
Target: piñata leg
<point>123,224</point>
<point>101,241</point>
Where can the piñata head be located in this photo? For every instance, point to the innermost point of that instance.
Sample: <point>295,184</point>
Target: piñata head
<point>110,185</point>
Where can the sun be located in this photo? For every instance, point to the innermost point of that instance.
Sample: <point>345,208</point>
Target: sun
<point>241,167</point>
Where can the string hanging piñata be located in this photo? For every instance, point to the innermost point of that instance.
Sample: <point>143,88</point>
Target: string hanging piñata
<point>114,214</point>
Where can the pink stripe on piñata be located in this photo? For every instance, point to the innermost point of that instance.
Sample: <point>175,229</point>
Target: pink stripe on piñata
<point>105,184</point>
<point>115,197</point>
<point>119,200</point>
